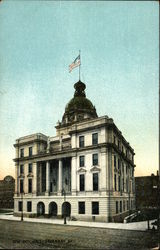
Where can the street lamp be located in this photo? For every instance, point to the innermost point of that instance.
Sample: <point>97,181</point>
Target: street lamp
<point>64,212</point>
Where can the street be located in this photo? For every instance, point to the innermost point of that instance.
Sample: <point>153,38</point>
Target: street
<point>26,235</point>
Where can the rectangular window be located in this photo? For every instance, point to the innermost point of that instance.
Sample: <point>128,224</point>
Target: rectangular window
<point>119,183</point>
<point>30,151</point>
<point>119,164</point>
<point>81,161</point>
<point>116,207</point>
<point>124,206</point>
<point>81,205</point>
<point>127,205</point>
<point>22,152</point>
<point>29,206</point>
<point>82,182</point>
<point>118,144</point>
<point>21,169</point>
<point>30,168</point>
<point>122,149</point>
<point>21,186</point>
<point>95,182</point>
<point>95,159</point>
<point>120,206</point>
<point>20,206</point>
<point>123,184</point>
<point>115,165</point>
<point>114,140</point>
<point>29,185</point>
<point>95,207</point>
<point>81,141</point>
<point>115,182</point>
<point>95,139</point>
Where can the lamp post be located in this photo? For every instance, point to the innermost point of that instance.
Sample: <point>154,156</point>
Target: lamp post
<point>64,212</point>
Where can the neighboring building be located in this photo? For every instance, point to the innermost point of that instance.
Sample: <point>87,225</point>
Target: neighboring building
<point>146,190</point>
<point>88,158</point>
<point>7,187</point>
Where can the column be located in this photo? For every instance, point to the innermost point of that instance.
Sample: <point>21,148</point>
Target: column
<point>60,177</point>
<point>73,175</point>
<point>47,178</point>
<point>34,178</point>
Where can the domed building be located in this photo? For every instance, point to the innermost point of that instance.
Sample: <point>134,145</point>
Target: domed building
<point>85,172</point>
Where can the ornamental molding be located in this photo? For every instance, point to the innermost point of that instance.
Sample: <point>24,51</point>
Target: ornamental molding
<point>95,169</point>
<point>81,170</point>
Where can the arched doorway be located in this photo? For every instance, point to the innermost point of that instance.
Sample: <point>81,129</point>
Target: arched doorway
<point>40,208</point>
<point>53,209</point>
<point>66,209</point>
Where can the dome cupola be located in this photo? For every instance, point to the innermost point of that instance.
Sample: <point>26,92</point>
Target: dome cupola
<point>79,107</point>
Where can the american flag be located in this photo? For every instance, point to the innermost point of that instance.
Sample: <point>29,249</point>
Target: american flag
<point>75,63</point>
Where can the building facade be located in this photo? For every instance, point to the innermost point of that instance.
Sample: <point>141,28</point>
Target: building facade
<point>7,188</point>
<point>88,160</point>
<point>146,191</point>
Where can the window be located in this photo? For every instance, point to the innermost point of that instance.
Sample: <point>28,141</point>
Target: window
<point>123,184</point>
<point>21,169</point>
<point>81,161</point>
<point>127,205</point>
<point>81,141</point>
<point>124,206</point>
<point>120,206</point>
<point>95,207</point>
<point>119,164</point>
<point>30,168</point>
<point>95,159</point>
<point>116,207</point>
<point>29,206</point>
<point>82,182</point>
<point>21,186</point>
<point>81,205</point>
<point>122,149</point>
<point>95,182</point>
<point>95,139</point>
<point>30,151</point>
<point>115,162</point>
<point>118,144</point>
<point>114,140</point>
<point>20,206</point>
<point>119,183</point>
<point>115,182</point>
<point>29,185</point>
<point>22,152</point>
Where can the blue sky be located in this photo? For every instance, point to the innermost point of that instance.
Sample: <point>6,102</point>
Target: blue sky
<point>119,53</point>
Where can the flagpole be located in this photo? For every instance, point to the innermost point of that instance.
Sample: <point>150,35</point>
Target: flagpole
<point>79,65</point>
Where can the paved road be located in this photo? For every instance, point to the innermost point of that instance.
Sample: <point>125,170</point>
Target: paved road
<point>26,235</point>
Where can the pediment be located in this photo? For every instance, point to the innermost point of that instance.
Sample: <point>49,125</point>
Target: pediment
<point>81,170</point>
<point>95,169</point>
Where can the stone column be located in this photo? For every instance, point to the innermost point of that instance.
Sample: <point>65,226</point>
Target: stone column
<point>73,175</point>
<point>60,177</point>
<point>47,178</point>
<point>34,178</point>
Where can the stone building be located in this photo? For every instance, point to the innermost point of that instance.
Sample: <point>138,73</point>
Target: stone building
<point>7,187</point>
<point>89,159</point>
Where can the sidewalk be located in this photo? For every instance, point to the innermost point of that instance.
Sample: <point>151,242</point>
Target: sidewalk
<point>137,226</point>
